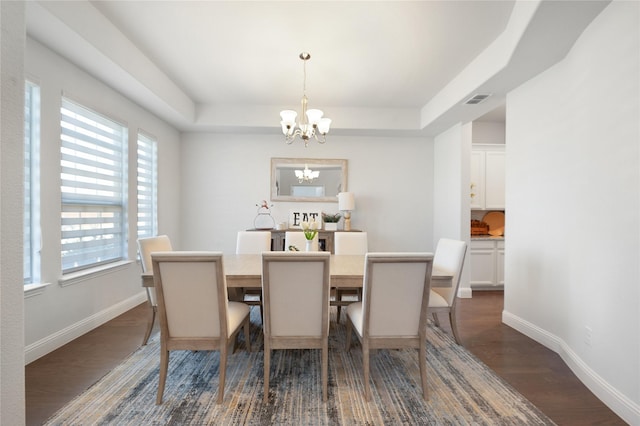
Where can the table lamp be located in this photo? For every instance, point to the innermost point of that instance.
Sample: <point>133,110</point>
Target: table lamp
<point>346,204</point>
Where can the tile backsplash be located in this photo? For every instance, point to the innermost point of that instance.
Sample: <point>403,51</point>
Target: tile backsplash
<point>479,214</point>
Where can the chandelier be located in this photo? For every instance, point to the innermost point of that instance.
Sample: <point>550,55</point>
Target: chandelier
<point>311,125</point>
<point>307,175</point>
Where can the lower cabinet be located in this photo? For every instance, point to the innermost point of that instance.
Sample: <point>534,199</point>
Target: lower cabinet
<point>325,239</point>
<point>487,264</point>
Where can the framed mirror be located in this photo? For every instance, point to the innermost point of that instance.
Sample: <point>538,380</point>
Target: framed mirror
<point>307,179</point>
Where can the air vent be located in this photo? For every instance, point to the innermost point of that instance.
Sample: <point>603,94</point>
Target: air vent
<point>476,99</point>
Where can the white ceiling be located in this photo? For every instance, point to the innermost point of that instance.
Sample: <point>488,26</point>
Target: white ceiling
<point>247,52</point>
<point>382,66</point>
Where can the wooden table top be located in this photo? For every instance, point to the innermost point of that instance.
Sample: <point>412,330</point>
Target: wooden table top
<point>245,270</point>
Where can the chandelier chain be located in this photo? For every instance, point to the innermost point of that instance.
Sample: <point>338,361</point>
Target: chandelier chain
<point>304,78</point>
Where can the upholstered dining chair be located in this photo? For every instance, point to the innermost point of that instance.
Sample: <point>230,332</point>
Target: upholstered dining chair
<point>298,240</point>
<point>449,258</point>
<point>195,313</point>
<point>349,243</point>
<point>295,288</point>
<point>145,247</point>
<point>253,242</point>
<point>393,311</point>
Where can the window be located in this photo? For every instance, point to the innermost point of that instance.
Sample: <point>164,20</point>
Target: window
<point>147,186</point>
<point>93,185</point>
<point>31,226</point>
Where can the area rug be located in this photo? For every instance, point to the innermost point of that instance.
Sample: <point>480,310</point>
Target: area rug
<point>462,390</point>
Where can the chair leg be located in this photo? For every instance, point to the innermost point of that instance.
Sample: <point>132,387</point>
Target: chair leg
<point>247,335</point>
<point>365,365</point>
<point>267,368</point>
<point>454,327</point>
<point>147,334</point>
<point>436,321</point>
<point>222,372</point>
<point>348,337</point>
<point>422,353</point>
<point>339,294</point>
<point>325,368</point>
<point>164,366</point>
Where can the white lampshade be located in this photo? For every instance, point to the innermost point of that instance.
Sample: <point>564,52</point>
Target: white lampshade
<point>289,117</point>
<point>287,129</point>
<point>346,201</point>
<point>324,125</point>
<point>314,116</point>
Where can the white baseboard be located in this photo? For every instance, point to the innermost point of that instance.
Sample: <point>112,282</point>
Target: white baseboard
<point>465,293</point>
<point>620,404</point>
<point>66,335</point>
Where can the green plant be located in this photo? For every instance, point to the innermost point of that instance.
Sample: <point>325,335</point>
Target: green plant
<point>310,229</point>
<point>331,218</point>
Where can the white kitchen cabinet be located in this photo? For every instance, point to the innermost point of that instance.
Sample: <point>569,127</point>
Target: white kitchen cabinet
<point>487,264</point>
<point>477,179</point>
<point>500,263</point>
<point>494,180</point>
<point>487,177</point>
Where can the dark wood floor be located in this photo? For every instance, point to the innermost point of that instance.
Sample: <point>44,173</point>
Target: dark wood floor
<point>537,373</point>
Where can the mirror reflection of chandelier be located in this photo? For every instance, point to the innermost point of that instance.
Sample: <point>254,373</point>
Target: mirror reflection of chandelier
<point>312,124</point>
<point>307,175</point>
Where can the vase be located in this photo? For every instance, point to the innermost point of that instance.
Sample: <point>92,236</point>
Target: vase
<point>330,226</point>
<point>309,245</point>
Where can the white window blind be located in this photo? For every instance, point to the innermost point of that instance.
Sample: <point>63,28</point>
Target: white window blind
<point>93,185</point>
<point>147,186</point>
<point>31,225</point>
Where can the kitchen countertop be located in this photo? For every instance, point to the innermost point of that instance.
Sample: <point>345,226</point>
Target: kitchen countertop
<point>486,237</point>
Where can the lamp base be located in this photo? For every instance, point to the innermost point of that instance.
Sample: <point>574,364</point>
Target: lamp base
<point>347,221</point>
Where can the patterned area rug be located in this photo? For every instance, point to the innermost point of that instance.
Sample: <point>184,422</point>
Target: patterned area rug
<point>462,390</point>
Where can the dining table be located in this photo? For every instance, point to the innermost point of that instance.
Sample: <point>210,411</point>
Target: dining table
<point>347,271</point>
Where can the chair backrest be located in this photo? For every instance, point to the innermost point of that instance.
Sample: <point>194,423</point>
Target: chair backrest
<point>253,242</point>
<point>295,293</point>
<point>146,246</point>
<point>396,293</point>
<point>350,243</point>
<point>297,239</point>
<point>449,258</point>
<point>192,294</point>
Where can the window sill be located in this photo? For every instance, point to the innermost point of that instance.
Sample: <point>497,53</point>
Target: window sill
<point>80,276</point>
<point>31,290</point>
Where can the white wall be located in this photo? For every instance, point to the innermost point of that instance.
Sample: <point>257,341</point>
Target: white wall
<point>452,152</point>
<point>573,202</point>
<point>11,173</point>
<point>54,314</point>
<point>488,132</point>
<point>224,176</point>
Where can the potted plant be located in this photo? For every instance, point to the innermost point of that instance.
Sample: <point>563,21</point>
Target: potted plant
<point>331,221</point>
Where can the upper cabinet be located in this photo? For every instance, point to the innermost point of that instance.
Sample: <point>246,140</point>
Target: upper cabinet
<point>477,179</point>
<point>487,177</point>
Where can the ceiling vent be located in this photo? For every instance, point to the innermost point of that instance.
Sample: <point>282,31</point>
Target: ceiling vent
<point>476,99</point>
